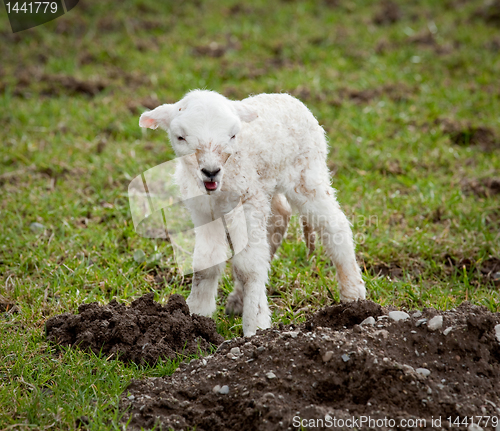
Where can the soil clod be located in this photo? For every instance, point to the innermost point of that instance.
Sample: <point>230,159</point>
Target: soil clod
<point>142,333</point>
<point>344,315</point>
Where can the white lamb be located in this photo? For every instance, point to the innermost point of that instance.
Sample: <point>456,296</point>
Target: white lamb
<point>271,151</point>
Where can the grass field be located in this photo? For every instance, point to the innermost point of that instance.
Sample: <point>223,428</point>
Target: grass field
<point>407,92</point>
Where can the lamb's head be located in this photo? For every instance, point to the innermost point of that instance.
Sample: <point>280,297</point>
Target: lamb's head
<point>204,124</point>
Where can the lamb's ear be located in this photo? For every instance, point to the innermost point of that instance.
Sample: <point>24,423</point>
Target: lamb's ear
<point>158,117</point>
<point>245,112</point>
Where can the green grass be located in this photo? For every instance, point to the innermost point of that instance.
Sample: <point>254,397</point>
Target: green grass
<point>67,158</point>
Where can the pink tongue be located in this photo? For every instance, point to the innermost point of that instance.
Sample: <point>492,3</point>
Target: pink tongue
<point>210,185</point>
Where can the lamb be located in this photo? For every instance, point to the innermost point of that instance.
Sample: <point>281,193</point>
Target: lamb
<point>270,150</point>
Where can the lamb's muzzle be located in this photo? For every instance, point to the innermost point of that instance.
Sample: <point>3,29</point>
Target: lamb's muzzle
<point>277,154</point>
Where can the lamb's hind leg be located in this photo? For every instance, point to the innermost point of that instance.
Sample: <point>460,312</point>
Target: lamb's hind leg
<point>281,212</point>
<point>234,304</point>
<point>278,222</point>
<point>309,236</point>
<point>322,212</point>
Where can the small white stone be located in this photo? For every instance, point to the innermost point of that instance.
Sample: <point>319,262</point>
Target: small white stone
<point>497,332</point>
<point>424,371</point>
<point>327,356</point>
<point>224,390</point>
<point>419,322</point>
<point>271,375</point>
<point>235,351</point>
<point>216,389</point>
<point>382,332</point>
<point>474,427</point>
<point>398,315</point>
<point>417,314</point>
<point>292,334</point>
<point>447,330</point>
<point>368,321</point>
<point>408,369</point>
<point>435,323</point>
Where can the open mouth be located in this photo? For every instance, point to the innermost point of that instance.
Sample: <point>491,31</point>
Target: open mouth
<point>211,185</point>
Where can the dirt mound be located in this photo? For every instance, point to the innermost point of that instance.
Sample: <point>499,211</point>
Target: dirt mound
<point>344,315</point>
<point>413,370</point>
<point>141,333</point>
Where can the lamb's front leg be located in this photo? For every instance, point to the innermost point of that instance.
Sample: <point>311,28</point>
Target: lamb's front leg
<point>251,267</point>
<point>252,272</point>
<point>210,255</point>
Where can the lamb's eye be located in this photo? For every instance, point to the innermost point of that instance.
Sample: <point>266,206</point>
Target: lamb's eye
<point>234,136</point>
<point>180,138</point>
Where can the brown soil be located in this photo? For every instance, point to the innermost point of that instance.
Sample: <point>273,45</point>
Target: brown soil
<point>465,134</point>
<point>480,271</point>
<point>490,12</point>
<point>216,50</point>
<point>485,187</point>
<point>488,269</point>
<point>333,366</point>
<point>141,333</point>
<point>389,13</point>
<point>137,106</point>
<point>392,270</point>
<point>427,40</point>
<point>395,92</point>
<point>55,85</point>
<point>7,306</point>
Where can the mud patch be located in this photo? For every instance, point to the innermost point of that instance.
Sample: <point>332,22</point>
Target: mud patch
<point>391,270</point>
<point>216,50</point>
<point>137,107</point>
<point>464,134</point>
<point>399,370</point>
<point>7,306</point>
<point>484,188</point>
<point>485,270</point>
<point>395,92</point>
<point>490,13</point>
<point>389,13</point>
<point>427,40</point>
<point>141,333</point>
<point>55,85</point>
